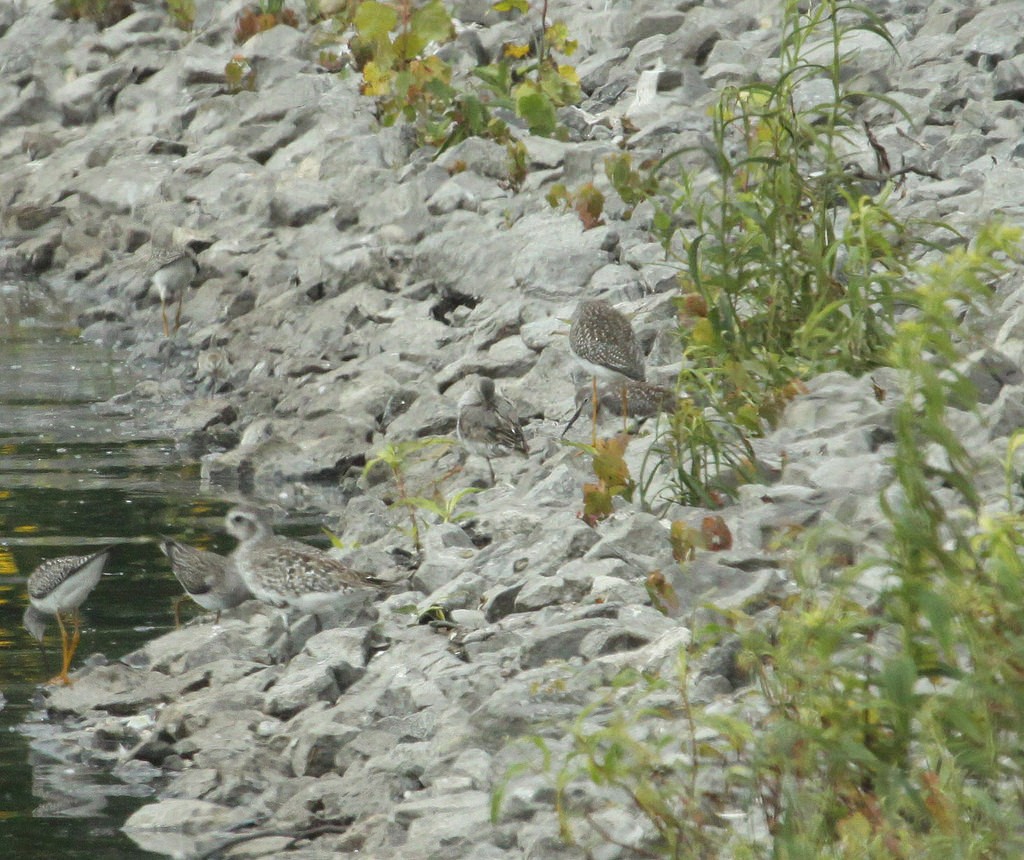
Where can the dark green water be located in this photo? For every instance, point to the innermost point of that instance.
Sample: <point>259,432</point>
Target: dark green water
<point>74,476</point>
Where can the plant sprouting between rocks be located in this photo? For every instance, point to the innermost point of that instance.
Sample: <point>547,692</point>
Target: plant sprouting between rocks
<point>791,261</point>
<point>397,457</point>
<point>880,705</point>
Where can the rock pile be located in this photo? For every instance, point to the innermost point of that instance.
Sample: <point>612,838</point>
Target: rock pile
<point>351,288</point>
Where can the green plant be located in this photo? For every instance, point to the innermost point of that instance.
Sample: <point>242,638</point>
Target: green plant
<point>643,746</point>
<point>391,49</point>
<point>336,541</point>
<point>586,201</point>
<point>183,13</point>
<point>707,457</point>
<point>444,508</point>
<point>517,163</point>
<point>529,79</point>
<point>397,457</point>
<point>239,75</point>
<point>894,725</point>
<point>612,474</point>
<point>632,186</point>
<point>788,268</point>
<point>794,283</point>
<point>886,719</point>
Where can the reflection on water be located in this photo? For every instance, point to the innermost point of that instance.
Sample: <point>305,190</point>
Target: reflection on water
<point>73,476</point>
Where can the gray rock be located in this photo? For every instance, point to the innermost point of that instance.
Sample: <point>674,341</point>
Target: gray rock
<point>83,99</point>
<point>306,680</point>
<point>178,826</point>
<point>345,652</point>
<point>993,34</point>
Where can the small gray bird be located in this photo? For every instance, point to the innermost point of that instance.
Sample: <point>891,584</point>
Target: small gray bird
<point>603,343</point>
<point>211,580</point>
<point>58,587</point>
<point>285,572</point>
<point>487,423</point>
<point>171,274</point>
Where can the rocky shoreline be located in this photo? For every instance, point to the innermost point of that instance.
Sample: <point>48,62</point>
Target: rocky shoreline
<point>351,287</point>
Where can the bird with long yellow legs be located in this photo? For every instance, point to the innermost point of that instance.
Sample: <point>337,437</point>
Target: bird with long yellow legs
<point>58,587</point>
<point>603,342</point>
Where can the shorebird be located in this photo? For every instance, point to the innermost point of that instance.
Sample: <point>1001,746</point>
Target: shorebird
<point>285,572</point>
<point>640,400</point>
<point>487,424</point>
<point>171,273</point>
<point>211,580</point>
<point>58,586</point>
<point>604,344</point>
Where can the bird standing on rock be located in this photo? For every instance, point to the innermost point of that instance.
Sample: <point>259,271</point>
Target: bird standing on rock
<point>211,580</point>
<point>604,344</point>
<point>285,572</point>
<point>171,273</point>
<point>59,586</point>
<point>487,423</point>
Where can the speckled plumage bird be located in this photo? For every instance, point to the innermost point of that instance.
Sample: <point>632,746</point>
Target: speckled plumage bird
<point>642,400</point>
<point>487,423</point>
<point>57,587</point>
<point>285,572</point>
<point>211,580</point>
<point>171,273</point>
<point>604,344</point>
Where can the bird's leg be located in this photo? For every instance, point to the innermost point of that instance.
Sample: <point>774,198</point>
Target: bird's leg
<point>177,316</point>
<point>176,603</point>
<point>76,635</point>
<point>491,467</point>
<point>62,677</point>
<point>163,315</point>
<point>593,412</point>
<point>625,409</point>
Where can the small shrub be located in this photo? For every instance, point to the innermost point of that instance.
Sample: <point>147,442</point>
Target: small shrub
<point>393,49</point>
<point>397,458</point>
<point>787,269</point>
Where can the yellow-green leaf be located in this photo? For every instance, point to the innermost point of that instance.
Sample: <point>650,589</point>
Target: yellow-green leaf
<point>432,22</point>
<point>375,20</point>
<point>521,6</point>
<point>538,111</point>
<point>376,81</point>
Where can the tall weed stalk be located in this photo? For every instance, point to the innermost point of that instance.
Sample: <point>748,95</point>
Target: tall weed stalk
<point>791,263</point>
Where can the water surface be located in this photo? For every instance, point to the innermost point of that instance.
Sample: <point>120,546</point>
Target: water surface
<point>75,475</point>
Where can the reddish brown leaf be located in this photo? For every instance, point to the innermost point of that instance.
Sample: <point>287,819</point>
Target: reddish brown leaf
<point>716,534</point>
